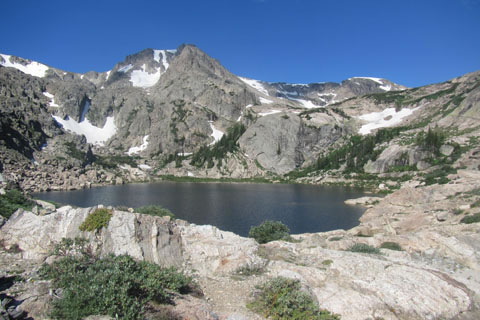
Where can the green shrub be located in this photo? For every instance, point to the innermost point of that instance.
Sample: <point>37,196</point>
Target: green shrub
<point>97,220</point>
<point>364,248</point>
<point>476,204</point>
<point>327,262</point>
<point>250,270</point>
<point>282,299</point>
<point>117,286</point>
<point>391,246</point>
<point>471,219</point>
<point>269,231</point>
<point>432,140</point>
<point>439,175</point>
<point>228,143</point>
<point>11,201</point>
<point>113,161</point>
<point>335,238</point>
<point>72,247</point>
<point>154,210</point>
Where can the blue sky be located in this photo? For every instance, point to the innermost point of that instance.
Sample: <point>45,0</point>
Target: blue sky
<point>298,41</point>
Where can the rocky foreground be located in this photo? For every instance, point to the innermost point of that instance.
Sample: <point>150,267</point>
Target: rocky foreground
<point>435,276</point>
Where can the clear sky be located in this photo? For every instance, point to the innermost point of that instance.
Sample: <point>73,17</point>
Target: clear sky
<point>411,42</point>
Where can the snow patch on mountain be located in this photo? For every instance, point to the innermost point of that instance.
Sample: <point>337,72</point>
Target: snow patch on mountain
<point>386,118</point>
<point>142,147</point>
<point>306,103</point>
<point>33,68</point>
<point>94,135</point>
<point>265,101</point>
<point>263,114</point>
<point>255,84</point>
<point>143,79</point>
<point>156,57</point>
<point>327,94</point>
<point>216,134</point>
<point>288,93</point>
<point>144,167</point>
<point>184,154</point>
<point>126,68</point>
<point>377,80</point>
<point>386,87</point>
<point>52,99</point>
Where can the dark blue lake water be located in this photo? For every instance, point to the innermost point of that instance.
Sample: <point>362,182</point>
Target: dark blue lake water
<point>230,206</point>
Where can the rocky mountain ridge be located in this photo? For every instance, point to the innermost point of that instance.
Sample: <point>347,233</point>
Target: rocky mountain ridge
<point>160,105</point>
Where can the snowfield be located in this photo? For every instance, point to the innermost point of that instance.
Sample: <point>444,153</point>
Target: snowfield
<point>288,93</point>
<point>94,135</point>
<point>143,79</point>
<point>126,68</point>
<point>265,101</point>
<point>383,86</point>
<point>377,80</point>
<point>216,134</point>
<point>263,114</point>
<point>386,87</point>
<point>52,99</point>
<point>255,84</point>
<point>386,118</point>
<point>140,148</point>
<point>306,103</point>
<point>156,57</point>
<point>33,68</point>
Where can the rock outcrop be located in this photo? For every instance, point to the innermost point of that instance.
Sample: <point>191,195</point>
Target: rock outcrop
<point>435,277</point>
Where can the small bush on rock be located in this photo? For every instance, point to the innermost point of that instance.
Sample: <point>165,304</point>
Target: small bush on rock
<point>269,231</point>
<point>97,220</point>
<point>251,270</point>
<point>154,210</point>
<point>117,286</point>
<point>391,246</point>
<point>13,200</point>
<point>282,299</point>
<point>471,219</point>
<point>363,248</point>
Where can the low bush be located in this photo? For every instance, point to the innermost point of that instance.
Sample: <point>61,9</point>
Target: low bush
<point>117,286</point>
<point>155,210</point>
<point>391,246</point>
<point>250,270</point>
<point>11,201</point>
<point>282,299</point>
<point>335,238</point>
<point>327,262</point>
<point>96,220</point>
<point>269,231</point>
<point>471,219</point>
<point>363,248</point>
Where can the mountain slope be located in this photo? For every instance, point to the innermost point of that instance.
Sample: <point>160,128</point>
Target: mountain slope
<point>158,106</point>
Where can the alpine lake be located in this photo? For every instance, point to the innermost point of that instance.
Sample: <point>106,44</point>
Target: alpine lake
<point>232,207</point>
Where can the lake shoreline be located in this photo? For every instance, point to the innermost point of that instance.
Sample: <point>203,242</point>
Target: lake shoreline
<point>230,206</point>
